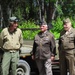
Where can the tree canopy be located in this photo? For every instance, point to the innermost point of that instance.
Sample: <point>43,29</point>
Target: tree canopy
<point>36,10</point>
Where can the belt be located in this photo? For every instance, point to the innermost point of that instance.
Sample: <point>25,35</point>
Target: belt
<point>12,51</point>
<point>69,49</point>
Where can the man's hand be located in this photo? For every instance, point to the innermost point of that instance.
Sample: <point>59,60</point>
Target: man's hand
<point>33,57</point>
<point>52,58</point>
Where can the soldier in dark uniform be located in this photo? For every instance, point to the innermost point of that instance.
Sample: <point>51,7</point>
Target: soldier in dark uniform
<point>43,50</point>
<point>66,48</point>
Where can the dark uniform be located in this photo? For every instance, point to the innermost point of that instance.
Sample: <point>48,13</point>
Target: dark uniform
<point>43,49</point>
<point>66,51</point>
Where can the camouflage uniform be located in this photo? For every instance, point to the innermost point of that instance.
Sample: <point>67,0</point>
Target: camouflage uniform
<point>10,43</point>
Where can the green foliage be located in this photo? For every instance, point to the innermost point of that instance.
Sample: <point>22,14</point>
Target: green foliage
<point>0,30</point>
<point>18,13</point>
<point>59,10</point>
<point>68,8</point>
<point>56,35</point>
<point>57,27</point>
<point>57,24</point>
<point>73,22</point>
<point>29,34</point>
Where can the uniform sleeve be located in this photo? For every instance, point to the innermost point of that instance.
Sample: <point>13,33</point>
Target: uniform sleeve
<point>34,48</point>
<point>21,39</point>
<point>1,39</point>
<point>53,46</point>
<point>59,42</point>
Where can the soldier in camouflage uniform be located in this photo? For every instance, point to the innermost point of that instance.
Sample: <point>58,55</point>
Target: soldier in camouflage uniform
<point>44,50</point>
<point>11,40</point>
<point>66,48</point>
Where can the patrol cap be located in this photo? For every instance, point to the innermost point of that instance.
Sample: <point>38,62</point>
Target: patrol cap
<point>67,20</point>
<point>43,23</point>
<point>13,19</point>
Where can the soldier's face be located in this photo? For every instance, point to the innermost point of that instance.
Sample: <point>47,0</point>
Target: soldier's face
<point>15,25</point>
<point>43,28</point>
<point>67,26</point>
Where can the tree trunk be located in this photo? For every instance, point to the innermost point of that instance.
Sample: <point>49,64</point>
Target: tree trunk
<point>42,10</point>
<point>1,18</point>
<point>5,16</point>
<point>5,12</point>
<point>49,11</point>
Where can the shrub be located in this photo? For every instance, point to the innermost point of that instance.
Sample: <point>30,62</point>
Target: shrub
<point>29,34</point>
<point>57,27</point>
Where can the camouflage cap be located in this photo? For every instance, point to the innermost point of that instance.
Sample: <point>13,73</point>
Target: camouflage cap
<point>67,20</point>
<point>13,19</point>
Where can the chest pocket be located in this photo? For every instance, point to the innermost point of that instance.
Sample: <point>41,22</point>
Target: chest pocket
<point>37,41</point>
<point>71,38</point>
<point>46,40</point>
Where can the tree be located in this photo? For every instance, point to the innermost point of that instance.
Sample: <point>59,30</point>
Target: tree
<point>36,10</point>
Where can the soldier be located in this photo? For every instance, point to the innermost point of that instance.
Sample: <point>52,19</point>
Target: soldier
<point>66,48</point>
<point>11,40</point>
<point>43,50</point>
